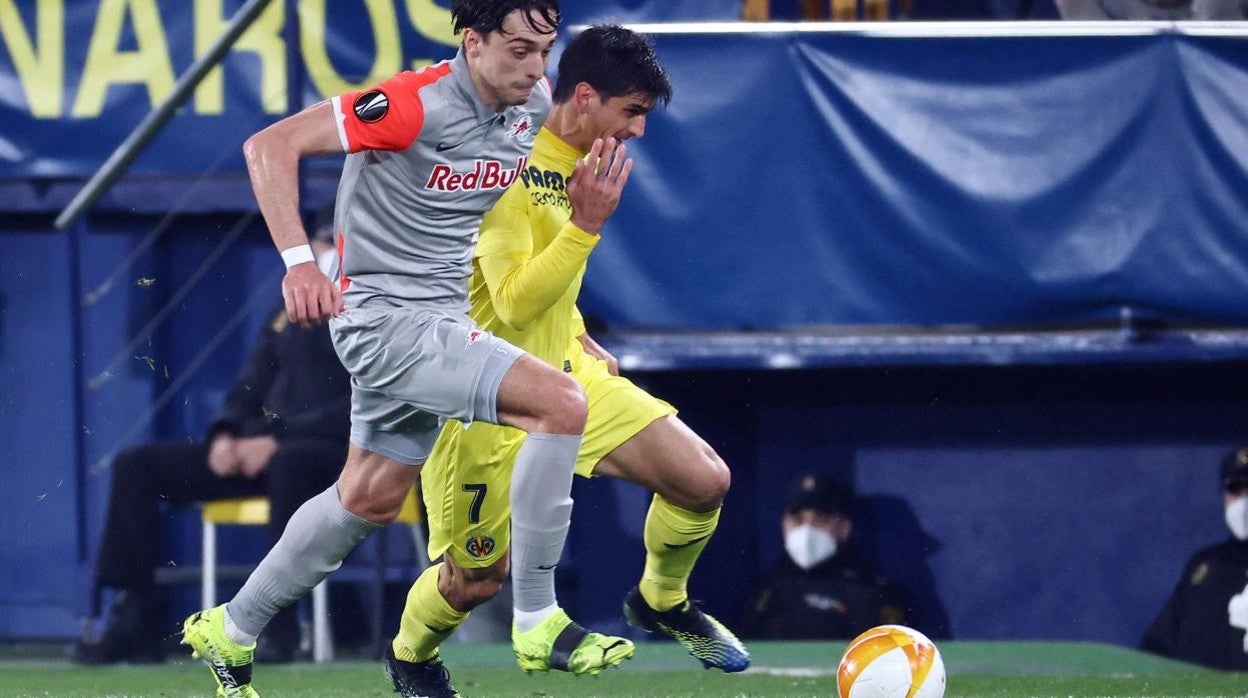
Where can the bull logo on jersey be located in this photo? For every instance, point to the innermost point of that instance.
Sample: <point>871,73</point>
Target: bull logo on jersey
<point>485,174</point>
<point>479,546</point>
<point>520,130</point>
<point>371,106</point>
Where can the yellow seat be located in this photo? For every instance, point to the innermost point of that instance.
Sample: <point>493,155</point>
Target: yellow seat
<point>254,511</point>
<point>249,511</point>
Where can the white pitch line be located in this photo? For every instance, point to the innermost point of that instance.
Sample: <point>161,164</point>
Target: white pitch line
<point>792,672</point>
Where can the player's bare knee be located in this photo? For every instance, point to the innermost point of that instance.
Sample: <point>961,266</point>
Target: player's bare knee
<point>566,409</point>
<point>712,483</point>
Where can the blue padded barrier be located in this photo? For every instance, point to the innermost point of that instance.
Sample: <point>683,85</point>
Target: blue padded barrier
<point>660,351</point>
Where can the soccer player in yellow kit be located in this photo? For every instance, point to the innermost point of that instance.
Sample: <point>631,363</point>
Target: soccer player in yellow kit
<point>528,267</point>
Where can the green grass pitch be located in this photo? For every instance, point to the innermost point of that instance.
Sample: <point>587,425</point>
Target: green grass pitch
<point>976,670</point>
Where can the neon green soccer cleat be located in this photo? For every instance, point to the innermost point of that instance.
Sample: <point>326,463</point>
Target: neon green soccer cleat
<point>558,643</point>
<point>230,662</point>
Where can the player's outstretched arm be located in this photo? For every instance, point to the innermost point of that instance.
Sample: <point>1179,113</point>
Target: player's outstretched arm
<point>272,157</point>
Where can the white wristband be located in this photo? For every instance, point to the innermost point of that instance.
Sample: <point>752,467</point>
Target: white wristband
<point>297,255</point>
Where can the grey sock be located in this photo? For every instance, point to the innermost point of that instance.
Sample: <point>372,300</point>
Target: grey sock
<point>315,541</point>
<point>541,508</point>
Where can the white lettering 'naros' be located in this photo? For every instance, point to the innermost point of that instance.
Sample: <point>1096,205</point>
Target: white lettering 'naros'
<point>485,174</point>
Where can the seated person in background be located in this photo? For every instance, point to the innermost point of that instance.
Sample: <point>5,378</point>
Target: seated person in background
<point>281,433</point>
<point>820,590</point>
<point>1199,623</point>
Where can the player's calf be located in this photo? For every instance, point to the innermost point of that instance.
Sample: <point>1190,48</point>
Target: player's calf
<point>374,487</point>
<point>468,587</point>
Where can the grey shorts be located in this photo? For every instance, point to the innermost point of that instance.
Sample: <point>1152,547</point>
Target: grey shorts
<point>412,369</point>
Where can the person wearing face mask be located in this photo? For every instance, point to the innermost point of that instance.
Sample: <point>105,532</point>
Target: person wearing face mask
<point>821,589</point>
<point>1205,619</point>
<point>282,432</point>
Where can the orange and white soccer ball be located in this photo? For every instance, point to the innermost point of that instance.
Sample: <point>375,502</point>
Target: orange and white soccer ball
<point>891,661</point>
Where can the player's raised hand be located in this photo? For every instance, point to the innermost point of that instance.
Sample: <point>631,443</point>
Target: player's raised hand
<point>311,298</point>
<point>596,183</point>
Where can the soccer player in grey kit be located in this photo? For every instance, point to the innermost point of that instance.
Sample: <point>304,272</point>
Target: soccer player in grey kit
<point>429,153</point>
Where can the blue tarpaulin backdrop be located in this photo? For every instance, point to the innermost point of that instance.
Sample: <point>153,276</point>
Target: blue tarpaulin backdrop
<point>839,178</point>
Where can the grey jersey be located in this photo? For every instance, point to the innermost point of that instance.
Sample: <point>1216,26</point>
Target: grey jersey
<point>427,159</point>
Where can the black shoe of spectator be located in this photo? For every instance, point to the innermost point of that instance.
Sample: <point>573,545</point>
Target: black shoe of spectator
<point>129,635</point>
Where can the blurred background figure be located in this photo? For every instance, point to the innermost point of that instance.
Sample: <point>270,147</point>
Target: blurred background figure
<point>822,588</point>
<point>902,10</point>
<point>281,433</point>
<point>1171,10</point>
<point>1198,623</point>
<point>839,10</point>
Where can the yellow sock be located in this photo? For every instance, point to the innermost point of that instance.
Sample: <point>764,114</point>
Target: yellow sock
<point>674,540</point>
<point>427,619</point>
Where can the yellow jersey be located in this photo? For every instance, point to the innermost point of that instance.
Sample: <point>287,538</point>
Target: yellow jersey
<point>530,258</point>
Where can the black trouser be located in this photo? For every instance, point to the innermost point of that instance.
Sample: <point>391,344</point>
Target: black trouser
<point>178,473</point>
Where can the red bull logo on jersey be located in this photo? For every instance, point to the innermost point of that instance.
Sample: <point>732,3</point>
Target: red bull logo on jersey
<point>485,174</point>
<point>520,128</point>
<point>480,546</point>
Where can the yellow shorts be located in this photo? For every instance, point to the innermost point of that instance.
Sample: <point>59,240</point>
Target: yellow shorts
<point>467,480</point>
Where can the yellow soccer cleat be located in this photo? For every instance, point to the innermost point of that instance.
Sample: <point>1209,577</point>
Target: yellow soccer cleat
<point>230,662</point>
<point>558,643</point>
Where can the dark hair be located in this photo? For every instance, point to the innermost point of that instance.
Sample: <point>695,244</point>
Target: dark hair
<point>614,61</point>
<point>485,16</point>
<point>820,492</point>
<point>1235,468</point>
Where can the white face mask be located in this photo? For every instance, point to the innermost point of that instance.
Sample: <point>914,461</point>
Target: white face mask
<point>327,262</point>
<point>808,546</point>
<point>1237,517</point>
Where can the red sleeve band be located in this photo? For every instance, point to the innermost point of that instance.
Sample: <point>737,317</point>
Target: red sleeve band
<point>389,116</point>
